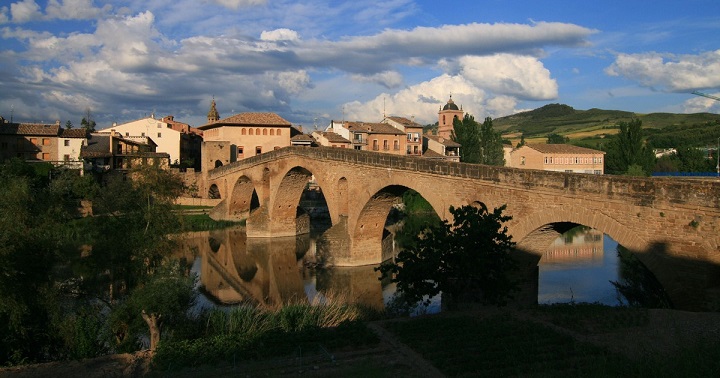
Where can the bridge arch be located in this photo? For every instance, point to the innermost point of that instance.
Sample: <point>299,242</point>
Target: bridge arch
<point>244,198</point>
<point>214,192</point>
<point>371,241</point>
<point>285,204</point>
<point>543,231</point>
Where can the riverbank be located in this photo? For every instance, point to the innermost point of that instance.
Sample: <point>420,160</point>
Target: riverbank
<point>543,341</point>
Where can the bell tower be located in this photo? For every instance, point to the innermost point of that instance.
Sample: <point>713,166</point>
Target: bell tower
<point>213,115</point>
<point>446,116</point>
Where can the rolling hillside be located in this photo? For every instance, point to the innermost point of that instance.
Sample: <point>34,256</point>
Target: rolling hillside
<point>591,126</point>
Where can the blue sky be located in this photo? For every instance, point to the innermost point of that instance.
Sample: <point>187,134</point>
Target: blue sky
<point>314,61</point>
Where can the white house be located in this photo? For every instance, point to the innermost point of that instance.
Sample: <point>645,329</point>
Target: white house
<point>166,139</point>
<point>70,142</point>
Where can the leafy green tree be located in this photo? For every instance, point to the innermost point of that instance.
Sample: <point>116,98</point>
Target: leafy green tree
<point>522,141</point>
<point>417,215</point>
<point>467,133</point>
<point>557,139</point>
<point>162,299</point>
<point>87,122</point>
<point>466,260</point>
<point>68,125</point>
<point>491,144</point>
<point>629,148</point>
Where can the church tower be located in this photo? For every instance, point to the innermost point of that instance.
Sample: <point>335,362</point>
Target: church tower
<point>446,116</point>
<point>213,115</point>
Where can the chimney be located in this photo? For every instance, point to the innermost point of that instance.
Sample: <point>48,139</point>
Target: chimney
<point>57,122</point>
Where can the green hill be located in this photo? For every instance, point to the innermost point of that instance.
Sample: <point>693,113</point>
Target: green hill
<point>590,126</point>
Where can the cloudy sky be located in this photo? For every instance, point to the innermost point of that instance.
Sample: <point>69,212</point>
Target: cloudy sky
<point>312,61</point>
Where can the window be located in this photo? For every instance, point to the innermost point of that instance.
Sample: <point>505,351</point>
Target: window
<point>264,131</point>
<point>386,146</point>
<point>278,131</point>
<point>240,150</point>
<point>522,160</point>
<point>358,148</point>
<point>46,141</point>
<point>127,133</point>
<point>142,134</point>
<point>242,131</point>
<point>250,132</point>
<point>257,131</point>
<point>272,131</point>
<point>66,157</point>
<point>159,135</point>
<point>375,145</point>
<point>33,141</point>
<point>66,142</point>
<point>45,156</point>
<point>598,172</point>
<point>258,150</point>
<point>396,145</point>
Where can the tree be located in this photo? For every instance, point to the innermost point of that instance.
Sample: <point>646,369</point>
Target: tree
<point>491,144</point>
<point>161,299</point>
<point>68,125</point>
<point>466,260</point>
<point>522,141</point>
<point>557,139</point>
<point>87,122</point>
<point>467,133</point>
<point>628,148</point>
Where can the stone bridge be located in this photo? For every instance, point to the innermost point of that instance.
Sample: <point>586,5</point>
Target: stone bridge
<point>672,225</point>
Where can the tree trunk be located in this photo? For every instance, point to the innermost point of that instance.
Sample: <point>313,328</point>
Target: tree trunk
<point>153,322</point>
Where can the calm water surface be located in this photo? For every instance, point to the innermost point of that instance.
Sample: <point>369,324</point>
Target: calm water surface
<point>233,269</point>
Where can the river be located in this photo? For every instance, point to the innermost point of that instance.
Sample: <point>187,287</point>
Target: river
<point>234,269</point>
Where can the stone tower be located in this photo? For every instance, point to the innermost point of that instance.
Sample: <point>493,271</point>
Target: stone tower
<point>446,116</point>
<point>213,115</point>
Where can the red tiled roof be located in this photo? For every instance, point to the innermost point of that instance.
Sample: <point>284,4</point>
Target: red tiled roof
<point>373,128</point>
<point>563,149</point>
<point>333,137</point>
<point>250,119</point>
<point>444,141</point>
<point>405,122</point>
<point>29,129</point>
<point>74,133</point>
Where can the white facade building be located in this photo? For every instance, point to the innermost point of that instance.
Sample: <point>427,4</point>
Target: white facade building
<point>166,139</point>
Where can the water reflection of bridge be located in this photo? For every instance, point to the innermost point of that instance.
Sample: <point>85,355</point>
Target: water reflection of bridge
<point>582,247</point>
<point>270,272</point>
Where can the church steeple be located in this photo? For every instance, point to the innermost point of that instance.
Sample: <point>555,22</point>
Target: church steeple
<point>446,116</point>
<point>213,115</point>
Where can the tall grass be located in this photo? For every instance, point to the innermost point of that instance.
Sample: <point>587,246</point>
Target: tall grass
<point>246,333</point>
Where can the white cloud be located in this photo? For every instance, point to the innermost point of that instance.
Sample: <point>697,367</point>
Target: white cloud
<point>4,15</point>
<point>280,35</point>
<point>669,72</point>
<point>702,104</point>
<point>74,9</point>
<point>518,76</point>
<point>235,4</point>
<point>24,11</point>
<point>422,101</point>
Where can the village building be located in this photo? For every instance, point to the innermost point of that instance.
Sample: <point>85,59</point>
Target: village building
<point>558,157</point>
<point>446,116</point>
<point>369,136</point>
<point>440,148</point>
<point>241,136</point>
<point>114,152</point>
<point>330,139</point>
<point>179,140</point>
<point>413,131</point>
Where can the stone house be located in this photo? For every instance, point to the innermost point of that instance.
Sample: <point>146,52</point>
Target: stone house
<point>330,139</point>
<point>440,148</point>
<point>241,136</point>
<point>413,131</point>
<point>177,139</point>
<point>558,157</point>
<point>379,137</point>
<point>111,151</point>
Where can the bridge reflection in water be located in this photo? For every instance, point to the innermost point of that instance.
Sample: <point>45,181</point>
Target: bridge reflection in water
<point>578,267</point>
<point>270,272</point>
